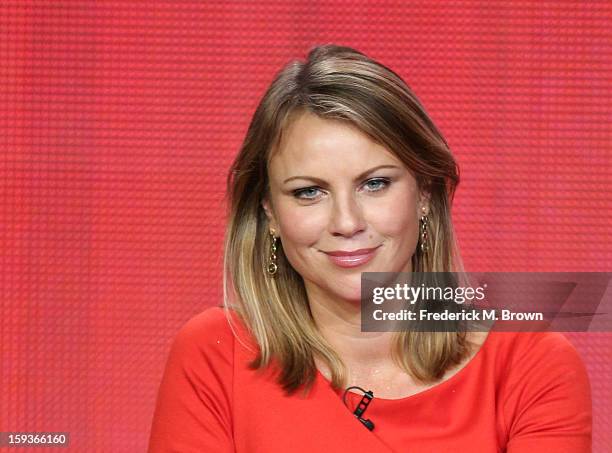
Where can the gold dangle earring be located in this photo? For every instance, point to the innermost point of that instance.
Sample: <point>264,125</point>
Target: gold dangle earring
<point>424,233</point>
<point>272,266</point>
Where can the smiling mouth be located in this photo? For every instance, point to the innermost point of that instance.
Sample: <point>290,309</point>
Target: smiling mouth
<point>352,252</point>
<point>353,258</point>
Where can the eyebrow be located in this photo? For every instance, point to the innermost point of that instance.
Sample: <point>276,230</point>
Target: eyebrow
<point>361,176</point>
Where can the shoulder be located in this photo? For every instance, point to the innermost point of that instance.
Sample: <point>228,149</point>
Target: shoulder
<point>206,335</point>
<point>195,397</point>
<point>546,352</point>
<point>208,323</point>
<point>536,359</point>
<point>543,386</point>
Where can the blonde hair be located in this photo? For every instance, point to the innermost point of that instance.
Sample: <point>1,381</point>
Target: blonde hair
<point>341,83</point>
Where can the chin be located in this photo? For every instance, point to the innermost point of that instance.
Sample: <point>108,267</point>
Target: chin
<point>349,290</point>
<point>352,298</point>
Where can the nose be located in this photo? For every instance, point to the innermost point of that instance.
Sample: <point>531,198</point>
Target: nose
<point>347,216</point>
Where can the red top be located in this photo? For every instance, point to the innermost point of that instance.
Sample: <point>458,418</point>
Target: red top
<point>522,392</point>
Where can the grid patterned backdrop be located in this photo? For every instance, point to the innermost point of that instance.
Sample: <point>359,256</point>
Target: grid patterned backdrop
<point>118,122</point>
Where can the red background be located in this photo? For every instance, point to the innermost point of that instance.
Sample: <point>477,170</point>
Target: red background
<point>119,120</point>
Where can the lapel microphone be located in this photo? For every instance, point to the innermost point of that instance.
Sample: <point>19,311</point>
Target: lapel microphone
<point>362,406</point>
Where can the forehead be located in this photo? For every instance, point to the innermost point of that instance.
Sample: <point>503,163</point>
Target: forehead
<point>312,142</point>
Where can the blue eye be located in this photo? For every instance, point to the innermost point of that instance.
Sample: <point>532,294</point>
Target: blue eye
<point>299,192</point>
<point>379,184</point>
<point>310,193</point>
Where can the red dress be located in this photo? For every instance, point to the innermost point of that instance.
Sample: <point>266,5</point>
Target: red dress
<point>522,392</point>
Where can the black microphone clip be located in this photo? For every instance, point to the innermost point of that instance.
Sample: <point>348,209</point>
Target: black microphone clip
<point>361,408</point>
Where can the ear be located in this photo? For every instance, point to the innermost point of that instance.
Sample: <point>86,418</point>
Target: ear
<point>267,207</point>
<point>424,203</point>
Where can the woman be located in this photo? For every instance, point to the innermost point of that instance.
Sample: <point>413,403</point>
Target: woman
<point>342,172</point>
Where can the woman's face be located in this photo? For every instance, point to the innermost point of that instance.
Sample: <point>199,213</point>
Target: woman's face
<point>334,190</point>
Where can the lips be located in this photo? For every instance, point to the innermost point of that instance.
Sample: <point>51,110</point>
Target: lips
<point>352,258</point>
<point>351,253</point>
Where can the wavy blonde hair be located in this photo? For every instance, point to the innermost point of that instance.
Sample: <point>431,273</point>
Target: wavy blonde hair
<point>341,83</point>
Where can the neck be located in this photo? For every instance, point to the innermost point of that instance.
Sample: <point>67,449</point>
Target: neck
<point>339,321</point>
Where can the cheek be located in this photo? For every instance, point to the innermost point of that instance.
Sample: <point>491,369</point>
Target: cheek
<point>399,221</point>
<point>301,225</point>
<point>397,215</point>
<point>301,228</point>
